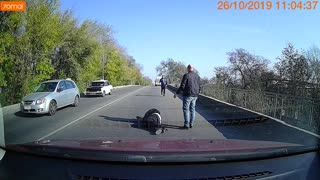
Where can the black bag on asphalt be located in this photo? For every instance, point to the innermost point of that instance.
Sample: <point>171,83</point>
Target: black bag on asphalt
<point>152,121</point>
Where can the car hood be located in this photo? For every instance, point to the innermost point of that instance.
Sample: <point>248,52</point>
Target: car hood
<point>36,95</point>
<point>160,150</point>
<point>164,145</point>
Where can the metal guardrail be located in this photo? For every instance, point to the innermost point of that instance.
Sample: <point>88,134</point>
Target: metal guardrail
<point>297,111</point>
<point>242,121</point>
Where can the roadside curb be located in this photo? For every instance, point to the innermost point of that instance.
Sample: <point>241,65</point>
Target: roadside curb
<point>10,109</point>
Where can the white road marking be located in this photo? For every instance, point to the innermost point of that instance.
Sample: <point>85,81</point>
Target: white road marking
<point>72,122</point>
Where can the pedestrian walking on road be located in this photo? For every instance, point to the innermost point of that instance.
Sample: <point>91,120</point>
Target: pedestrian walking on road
<point>163,86</point>
<point>190,86</point>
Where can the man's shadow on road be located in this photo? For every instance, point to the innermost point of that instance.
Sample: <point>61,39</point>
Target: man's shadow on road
<point>138,124</point>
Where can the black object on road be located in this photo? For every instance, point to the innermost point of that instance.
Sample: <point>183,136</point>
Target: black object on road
<point>152,121</point>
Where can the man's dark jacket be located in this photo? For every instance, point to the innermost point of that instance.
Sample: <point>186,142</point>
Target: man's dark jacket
<point>190,85</point>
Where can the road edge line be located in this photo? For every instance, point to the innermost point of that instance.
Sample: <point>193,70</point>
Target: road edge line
<point>78,119</point>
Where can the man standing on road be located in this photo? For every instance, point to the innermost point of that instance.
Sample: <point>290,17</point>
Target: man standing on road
<point>163,86</point>
<point>190,86</point>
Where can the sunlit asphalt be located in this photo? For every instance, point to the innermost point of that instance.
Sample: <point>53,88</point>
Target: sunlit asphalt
<point>114,116</point>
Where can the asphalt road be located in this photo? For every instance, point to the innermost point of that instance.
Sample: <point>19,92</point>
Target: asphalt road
<point>114,116</point>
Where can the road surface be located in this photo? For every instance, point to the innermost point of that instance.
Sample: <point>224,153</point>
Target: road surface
<point>114,116</point>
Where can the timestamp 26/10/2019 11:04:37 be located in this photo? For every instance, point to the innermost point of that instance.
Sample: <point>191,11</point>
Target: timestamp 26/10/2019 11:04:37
<point>267,5</point>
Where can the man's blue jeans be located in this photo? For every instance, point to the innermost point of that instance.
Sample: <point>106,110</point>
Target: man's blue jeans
<point>189,108</point>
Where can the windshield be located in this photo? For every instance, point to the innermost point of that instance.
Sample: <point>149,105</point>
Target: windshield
<point>236,77</point>
<point>46,87</point>
<point>97,83</point>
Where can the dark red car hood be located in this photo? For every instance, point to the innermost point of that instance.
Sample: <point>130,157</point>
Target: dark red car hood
<point>164,145</point>
<point>159,150</point>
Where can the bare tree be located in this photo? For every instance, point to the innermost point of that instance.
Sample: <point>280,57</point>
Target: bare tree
<point>223,76</point>
<point>313,56</point>
<point>247,67</point>
<point>293,71</point>
<point>204,81</point>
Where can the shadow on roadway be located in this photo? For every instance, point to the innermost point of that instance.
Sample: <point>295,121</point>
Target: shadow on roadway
<point>34,115</point>
<point>135,123</point>
<point>28,115</point>
<point>262,130</point>
<point>149,95</point>
<point>91,97</point>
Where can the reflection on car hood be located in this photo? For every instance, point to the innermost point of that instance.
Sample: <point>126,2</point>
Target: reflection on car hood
<point>160,150</point>
<point>166,145</point>
<point>35,96</point>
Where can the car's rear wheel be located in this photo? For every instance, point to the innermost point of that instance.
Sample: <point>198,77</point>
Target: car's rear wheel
<point>52,107</point>
<point>76,101</point>
<point>110,92</point>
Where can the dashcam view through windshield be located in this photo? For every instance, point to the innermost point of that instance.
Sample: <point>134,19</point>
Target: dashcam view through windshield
<point>160,76</point>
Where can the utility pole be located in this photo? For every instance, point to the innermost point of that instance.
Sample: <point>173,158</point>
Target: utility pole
<point>103,62</point>
<point>103,58</point>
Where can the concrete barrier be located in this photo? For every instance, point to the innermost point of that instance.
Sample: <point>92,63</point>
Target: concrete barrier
<point>10,109</point>
<point>249,110</point>
<point>16,107</point>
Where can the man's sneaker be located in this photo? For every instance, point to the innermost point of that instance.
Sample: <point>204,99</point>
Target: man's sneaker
<point>185,127</point>
<point>190,125</point>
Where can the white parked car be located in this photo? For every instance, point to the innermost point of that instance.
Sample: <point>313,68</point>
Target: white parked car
<point>99,87</point>
<point>157,81</point>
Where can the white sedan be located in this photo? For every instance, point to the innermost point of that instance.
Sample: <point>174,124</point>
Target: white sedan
<point>99,88</point>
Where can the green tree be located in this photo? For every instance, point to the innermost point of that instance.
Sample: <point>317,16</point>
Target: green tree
<point>115,68</point>
<point>46,43</point>
<point>172,70</point>
<point>28,40</point>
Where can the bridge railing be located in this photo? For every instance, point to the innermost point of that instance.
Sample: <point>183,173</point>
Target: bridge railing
<point>298,111</point>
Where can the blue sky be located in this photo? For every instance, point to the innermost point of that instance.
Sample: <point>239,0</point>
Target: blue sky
<point>195,32</point>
